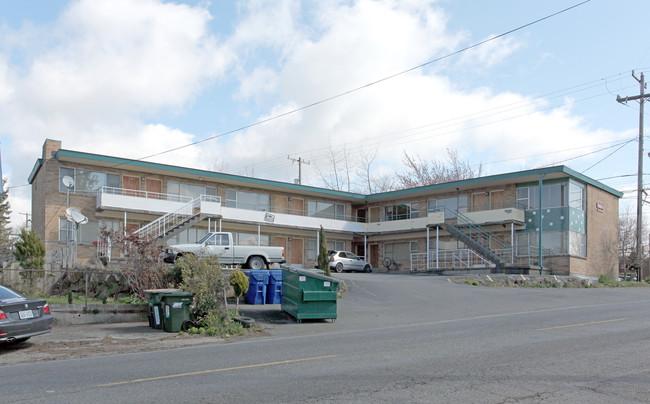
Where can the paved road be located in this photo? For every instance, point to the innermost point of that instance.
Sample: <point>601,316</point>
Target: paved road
<point>412,339</point>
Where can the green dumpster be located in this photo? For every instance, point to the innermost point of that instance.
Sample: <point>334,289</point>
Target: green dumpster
<point>308,295</point>
<point>176,309</point>
<point>154,297</point>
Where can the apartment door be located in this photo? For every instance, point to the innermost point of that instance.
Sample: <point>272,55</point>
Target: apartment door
<point>131,183</point>
<point>153,188</point>
<point>374,255</point>
<point>296,251</point>
<point>279,204</point>
<point>297,206</point>
<point>279,241</point>
<point>497,199</point>
<point>374,214</point>
<point>480,201</point>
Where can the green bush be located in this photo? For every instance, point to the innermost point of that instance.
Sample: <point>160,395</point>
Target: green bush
<point>205,279</point>
<point>30,250</point>
<point>239,282</point>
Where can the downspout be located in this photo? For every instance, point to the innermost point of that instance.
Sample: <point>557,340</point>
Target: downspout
<point>541,266</point>
<point>428,247</point>
<point>437,244</point>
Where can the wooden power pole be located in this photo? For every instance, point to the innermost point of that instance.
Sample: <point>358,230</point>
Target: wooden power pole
<point>639,188</point>
<point>300,163</point>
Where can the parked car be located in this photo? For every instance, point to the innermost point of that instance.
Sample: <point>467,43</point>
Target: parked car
<point>22,317</point>
<point>221,244</point>
<point>346,261</point>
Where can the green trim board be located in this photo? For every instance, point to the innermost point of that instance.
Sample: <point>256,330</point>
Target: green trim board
<point>500,177</point>
<point>118,161</point>
<point>35,169</point>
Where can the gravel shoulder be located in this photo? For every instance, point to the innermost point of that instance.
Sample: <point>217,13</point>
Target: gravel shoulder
<point>80,341</point>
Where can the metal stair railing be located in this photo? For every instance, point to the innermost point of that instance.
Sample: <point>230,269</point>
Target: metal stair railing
<point>173,220</point>
<point>497,246</point>
<point>463,258</point>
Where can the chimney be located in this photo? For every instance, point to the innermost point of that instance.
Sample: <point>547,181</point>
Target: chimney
<point>50,147</point>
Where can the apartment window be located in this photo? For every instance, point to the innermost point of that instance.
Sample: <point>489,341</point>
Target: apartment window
<point>189,190</point>
<point>401,211</point>
<point>89,232</point>
<point>401,252</point>
<point>576,195</point>
<point>87,181</point>
<point>577,244</point>
<point>311,249</point>
<point>553,196</point>
<point>556,241</point>
<point>326,210</point>
<point>247,200</point>
<point>66,230</point>
<point>450,206</point>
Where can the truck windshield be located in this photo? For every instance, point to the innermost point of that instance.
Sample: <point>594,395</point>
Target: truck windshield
<point>204,239</point>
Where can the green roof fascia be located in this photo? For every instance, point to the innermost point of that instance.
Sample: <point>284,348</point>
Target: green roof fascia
<point>498,177</point>
<point>118,161</point>
<point>404,192</point>
<point>590,181</point>
<point>37,166</point>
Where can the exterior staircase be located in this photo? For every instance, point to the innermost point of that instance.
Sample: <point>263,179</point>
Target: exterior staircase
<point>476,246</point>
<point>479,239</point>
<point>174,222</point>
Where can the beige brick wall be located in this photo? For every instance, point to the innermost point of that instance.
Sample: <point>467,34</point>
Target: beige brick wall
<point>602,235</point>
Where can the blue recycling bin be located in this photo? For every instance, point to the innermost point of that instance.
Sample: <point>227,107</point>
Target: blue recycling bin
<point>274,287</point>
<point>257,281</point>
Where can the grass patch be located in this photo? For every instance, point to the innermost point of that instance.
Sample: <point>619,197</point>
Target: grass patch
<point>79,299</point>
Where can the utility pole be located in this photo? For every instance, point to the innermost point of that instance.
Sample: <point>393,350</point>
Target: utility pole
<point>300,163</point>
<point>639,188</point>
<point>27,219</point>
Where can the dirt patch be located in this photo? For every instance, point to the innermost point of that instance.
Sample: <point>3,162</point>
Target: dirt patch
<point>105,341</point>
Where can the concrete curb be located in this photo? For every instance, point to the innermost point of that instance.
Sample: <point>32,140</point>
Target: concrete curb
<point>74,314</point>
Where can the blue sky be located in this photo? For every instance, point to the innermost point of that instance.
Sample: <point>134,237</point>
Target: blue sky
<point>136,78</point>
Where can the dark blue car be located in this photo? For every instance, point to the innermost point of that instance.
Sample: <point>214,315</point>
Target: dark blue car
<point>22,317</point>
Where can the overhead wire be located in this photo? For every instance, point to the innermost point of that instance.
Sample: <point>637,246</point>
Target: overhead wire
<point>372,83</point>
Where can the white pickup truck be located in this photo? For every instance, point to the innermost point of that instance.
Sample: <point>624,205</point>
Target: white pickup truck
<point>221,244</point>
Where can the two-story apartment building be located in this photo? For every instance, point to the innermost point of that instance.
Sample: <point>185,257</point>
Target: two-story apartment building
<point>486,222</point>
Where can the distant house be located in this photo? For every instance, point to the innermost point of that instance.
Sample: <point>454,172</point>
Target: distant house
<point>489,222</point>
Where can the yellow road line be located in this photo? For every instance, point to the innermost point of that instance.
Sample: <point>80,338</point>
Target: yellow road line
<point>581,324</point>
<point>217,370</point>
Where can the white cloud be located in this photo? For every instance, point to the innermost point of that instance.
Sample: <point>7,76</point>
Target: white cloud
<point>105,65</point>
<point>490,53</point>
<point>100,76</point>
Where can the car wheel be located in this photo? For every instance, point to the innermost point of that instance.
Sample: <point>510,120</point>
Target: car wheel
<point>367,268</point>
<point>339,267</point>
<point>256,263</point>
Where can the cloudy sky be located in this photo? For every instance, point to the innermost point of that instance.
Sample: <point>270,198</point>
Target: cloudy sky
<point>231,80</point>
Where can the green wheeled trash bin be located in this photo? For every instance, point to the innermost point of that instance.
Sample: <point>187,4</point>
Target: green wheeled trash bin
<point>154,297</point>
<point>176,310</point>
<point>308,295</point>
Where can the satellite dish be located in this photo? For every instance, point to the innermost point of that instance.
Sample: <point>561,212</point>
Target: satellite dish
<point>68,181</point>
<point>75,215</point>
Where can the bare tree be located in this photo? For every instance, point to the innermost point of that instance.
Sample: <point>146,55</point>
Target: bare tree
<point>627,240</point>
<point>420,172</point>
<point>371,181</point>
<point>341,167</point>
<point>219,166</point>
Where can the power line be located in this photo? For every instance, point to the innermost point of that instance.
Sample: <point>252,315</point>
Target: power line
<point>381,80</point>
<point>371,83</point>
